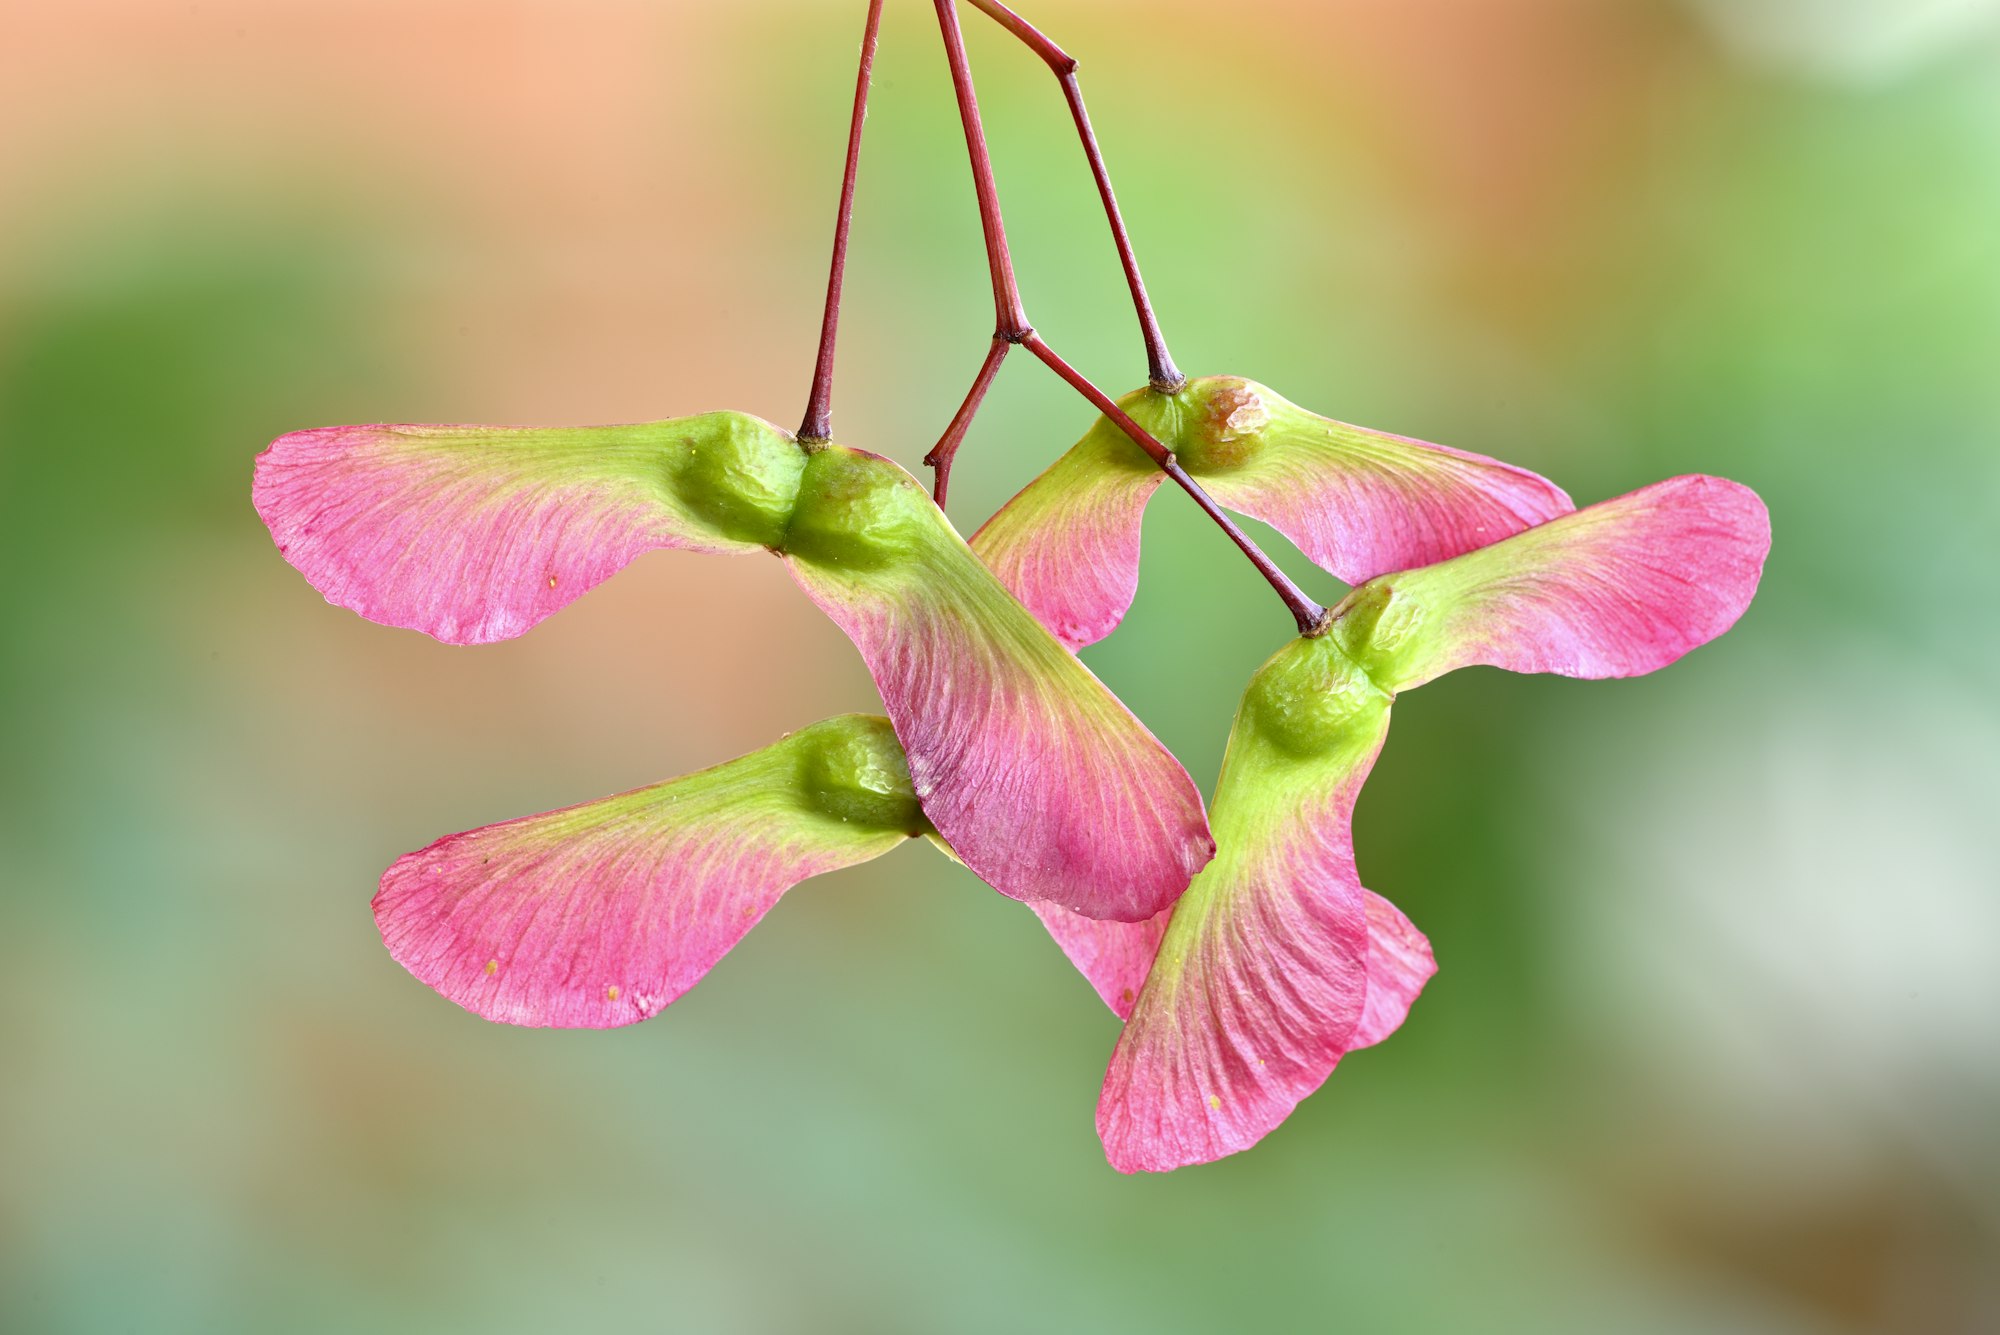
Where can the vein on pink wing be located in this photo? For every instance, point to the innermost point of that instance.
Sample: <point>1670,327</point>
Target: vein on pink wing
<point>1114,958</point>
<point>1399,964</point>
<point>1067,545</point>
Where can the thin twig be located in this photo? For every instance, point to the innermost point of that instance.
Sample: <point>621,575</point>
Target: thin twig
<point>1012,326</point>
<point>1010,320</point>
<point>946,449</point>
<point>1166,377</point>
<point>818,423</point>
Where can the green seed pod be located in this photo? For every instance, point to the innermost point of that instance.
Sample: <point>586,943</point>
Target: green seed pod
<point>1374,627</point>
<point>857,512</point>
<point>736,473</point>
<point>1222,424</point>
<point>852,769</point>
<point>1310,698</point>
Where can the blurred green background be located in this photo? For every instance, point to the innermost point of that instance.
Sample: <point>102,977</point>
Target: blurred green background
<point>1713,1047</point>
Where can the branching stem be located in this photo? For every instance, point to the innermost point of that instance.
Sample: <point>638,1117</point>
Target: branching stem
<point>1011,318</point>
<point>1166,377</point>
<point>1310,615</point>
<point>946,449</point>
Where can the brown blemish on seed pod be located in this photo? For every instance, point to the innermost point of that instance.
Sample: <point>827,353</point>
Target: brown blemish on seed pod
<point>1228,429</point>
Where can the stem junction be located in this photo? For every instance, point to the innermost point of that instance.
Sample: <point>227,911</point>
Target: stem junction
<point>1011,324</point>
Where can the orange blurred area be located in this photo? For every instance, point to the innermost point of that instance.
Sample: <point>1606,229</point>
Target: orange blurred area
<point>1713,1043</point>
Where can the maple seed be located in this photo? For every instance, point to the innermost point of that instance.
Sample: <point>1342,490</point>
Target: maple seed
<point>1314,965</point>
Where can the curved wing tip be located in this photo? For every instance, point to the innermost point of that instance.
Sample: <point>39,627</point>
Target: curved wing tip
<point>1135,1155</point>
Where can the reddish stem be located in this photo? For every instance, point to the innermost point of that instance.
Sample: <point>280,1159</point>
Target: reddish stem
<point>1310,616</point>
<point>1013,327</point>
<point>1010,320</point>
<point>1166,377</point>
<point>818,423</point>
<point>946,449</point>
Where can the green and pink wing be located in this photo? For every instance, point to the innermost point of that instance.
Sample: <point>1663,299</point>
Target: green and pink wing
<point>1356,502</point>
<point>1399,964</point>
<point>1115,957</point>
<point>1068,544</point>
<point>601,914</point>
<point>473,534</point>
<point>1616,589</point>
<point>1262,979</point>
